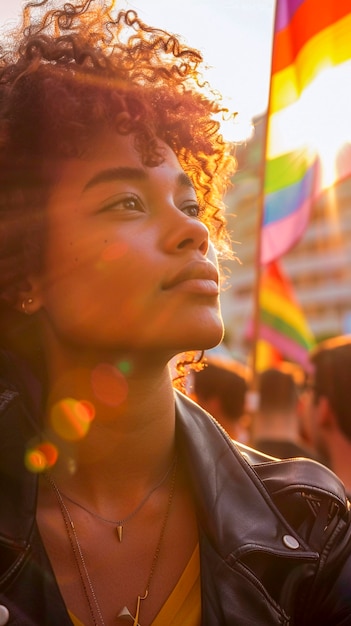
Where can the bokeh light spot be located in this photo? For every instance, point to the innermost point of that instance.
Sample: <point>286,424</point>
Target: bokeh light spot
<point>71,419</point>
<point>50,452</point>
<point>40,458</point>
<point>90,409</point>
<point>35,461</point>
<point>109,384</point>
<point>125,367</point>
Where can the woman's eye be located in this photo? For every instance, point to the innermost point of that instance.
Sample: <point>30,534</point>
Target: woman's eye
<point>192,210</point>
<point>124,203</point>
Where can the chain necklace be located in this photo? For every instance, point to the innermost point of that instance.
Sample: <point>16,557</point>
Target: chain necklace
<point>86,582</point>
<point>119,524</point>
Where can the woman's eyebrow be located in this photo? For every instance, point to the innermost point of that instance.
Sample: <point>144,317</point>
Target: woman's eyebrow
<point>115,173</point>
<point>130,173</point>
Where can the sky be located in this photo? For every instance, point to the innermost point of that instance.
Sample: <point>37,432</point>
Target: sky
<point>235,37</point>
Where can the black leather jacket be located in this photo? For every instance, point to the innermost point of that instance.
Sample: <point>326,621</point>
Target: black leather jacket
<point>274,535</point>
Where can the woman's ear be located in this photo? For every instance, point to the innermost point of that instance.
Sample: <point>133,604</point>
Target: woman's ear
<point>29,299</point>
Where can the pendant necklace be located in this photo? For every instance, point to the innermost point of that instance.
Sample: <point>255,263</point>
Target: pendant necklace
<point>119,524</point>
<point>85,579</point>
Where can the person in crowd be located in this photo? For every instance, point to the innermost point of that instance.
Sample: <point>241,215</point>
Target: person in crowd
<point>276,425</point>
<point>329,405</point>
<point>122,501</point>
<point>220,387</point>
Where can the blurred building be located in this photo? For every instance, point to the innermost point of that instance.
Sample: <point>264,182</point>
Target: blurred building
<point>319,266</point>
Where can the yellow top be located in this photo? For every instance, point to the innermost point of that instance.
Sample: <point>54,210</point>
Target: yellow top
<point>183,606</point>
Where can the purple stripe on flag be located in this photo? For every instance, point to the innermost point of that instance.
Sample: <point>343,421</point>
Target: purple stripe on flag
<point>281,235</point>
<point>285,11</point>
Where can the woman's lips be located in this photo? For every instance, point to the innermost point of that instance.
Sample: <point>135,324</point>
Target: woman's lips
<point>196,277</point>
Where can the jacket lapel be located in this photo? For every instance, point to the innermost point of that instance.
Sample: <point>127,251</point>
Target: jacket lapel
<point>243,537</point>
<point>235,509</point>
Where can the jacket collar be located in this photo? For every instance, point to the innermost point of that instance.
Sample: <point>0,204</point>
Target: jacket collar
<point>235,510</point>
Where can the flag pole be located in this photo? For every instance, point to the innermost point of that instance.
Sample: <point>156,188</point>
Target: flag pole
<point>257,279</point>
<point>257,258</point>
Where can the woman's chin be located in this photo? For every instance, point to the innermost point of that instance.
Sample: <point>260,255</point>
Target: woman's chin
<point>206,337</point>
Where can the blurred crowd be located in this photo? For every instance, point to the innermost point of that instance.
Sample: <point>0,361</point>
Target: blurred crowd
<point>289,413</point>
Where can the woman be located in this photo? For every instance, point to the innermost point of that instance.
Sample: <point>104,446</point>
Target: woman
<point>122,501</point>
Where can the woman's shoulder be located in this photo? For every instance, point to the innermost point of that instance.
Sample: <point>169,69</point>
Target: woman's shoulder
<point>305,492</point>
<point>279,475</point>
<point>294,474</point>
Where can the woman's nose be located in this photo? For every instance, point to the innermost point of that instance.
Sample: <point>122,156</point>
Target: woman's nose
<point>185,232</point>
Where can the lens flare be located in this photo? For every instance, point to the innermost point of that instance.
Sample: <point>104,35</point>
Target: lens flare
<point>71,419</point>
<point>109,384</point>
<point>125,367</point>
<point>40,458</point>
<point>90,409</point>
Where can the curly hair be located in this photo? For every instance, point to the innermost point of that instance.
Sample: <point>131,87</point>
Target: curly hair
<point>73,72</point>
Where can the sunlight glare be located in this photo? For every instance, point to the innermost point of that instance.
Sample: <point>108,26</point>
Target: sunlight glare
<point>238,129</point>
<point>320,119</point>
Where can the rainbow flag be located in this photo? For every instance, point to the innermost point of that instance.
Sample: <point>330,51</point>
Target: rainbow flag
<point>308,143</point>
<point>267,356</point>
<point>282,322</point>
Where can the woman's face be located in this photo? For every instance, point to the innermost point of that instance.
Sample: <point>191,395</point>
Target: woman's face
<point>127,262</point>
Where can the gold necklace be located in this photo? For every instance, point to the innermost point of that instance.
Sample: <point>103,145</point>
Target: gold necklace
<point>87,585</point>
<point>119,524</point>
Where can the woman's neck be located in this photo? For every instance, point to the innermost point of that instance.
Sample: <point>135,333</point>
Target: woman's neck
<point>127,445</point>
